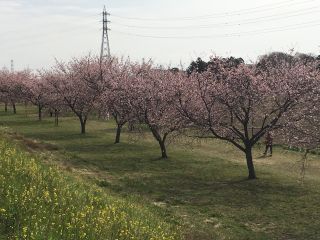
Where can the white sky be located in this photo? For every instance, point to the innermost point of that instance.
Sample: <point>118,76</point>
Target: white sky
<point>34,32</point>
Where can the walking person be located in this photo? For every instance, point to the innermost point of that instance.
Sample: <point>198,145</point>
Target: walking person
<point>269,140</point>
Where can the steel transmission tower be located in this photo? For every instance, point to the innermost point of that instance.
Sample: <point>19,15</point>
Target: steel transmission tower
<point>105,45</point>
<point>12,66</point>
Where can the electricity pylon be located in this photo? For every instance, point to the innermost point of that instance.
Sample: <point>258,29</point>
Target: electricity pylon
<point>105,45</point>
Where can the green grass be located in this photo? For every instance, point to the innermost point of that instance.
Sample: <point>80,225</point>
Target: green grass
<point>202,183</point>
<point>38,202</point>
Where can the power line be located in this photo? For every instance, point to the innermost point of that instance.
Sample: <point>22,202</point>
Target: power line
<point>54,24</point>
<point>65,29</point>
<point>262,8</point>
<point>40,38</point>
<point>253,32</point>
<point>233,23</point>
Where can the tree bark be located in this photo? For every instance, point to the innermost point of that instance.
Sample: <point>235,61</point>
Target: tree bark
<point>25,108</point>
<point>56,118</point>
<point>161,141</point>
<point>252,174</point>
<point>163,150</point>
<point>39,112</point>
<point>83,125</point>
<point>6,107</point>
<point>14,108</point>
<point>130,126</point>
<point>118,134</point>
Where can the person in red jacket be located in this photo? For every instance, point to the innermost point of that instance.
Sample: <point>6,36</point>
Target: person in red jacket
<point>268,141</point>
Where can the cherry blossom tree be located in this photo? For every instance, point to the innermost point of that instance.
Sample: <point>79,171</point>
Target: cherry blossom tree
<point>54,102</point>
<point>34,92</point>
<point>114,100</point>
<point>228,102</point>
<point>4,79</point>
<point>75,84</point>
<point>11,86</point>
<point>152,97</point>
<point>303,129</point>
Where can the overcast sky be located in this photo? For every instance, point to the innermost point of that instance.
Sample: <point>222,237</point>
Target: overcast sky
<point>35,32</point>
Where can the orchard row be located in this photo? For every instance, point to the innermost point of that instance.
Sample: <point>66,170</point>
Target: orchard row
<point>229,100</point>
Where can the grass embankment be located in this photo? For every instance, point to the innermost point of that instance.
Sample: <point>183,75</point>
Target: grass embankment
<point>39,202</point>
<point>202,183</point>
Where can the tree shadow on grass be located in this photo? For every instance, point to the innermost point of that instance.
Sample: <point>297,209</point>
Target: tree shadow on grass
<point>184,189</point>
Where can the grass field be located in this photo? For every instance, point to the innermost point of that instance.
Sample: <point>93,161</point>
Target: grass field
<point>202,184</point>
<point>38,202</point>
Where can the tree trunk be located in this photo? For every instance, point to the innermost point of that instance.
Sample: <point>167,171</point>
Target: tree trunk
<point>6,107</point>
<point>130,126</point>
<point>163,149</point>
<point>83,125</point>
<point>25,108</point>
<point>118,134</point>
<point>161,141</point>
<point>252,174</point>
<point>51,113</point>
<point>14,108</point>
<point>56,118</point>
<point>39,112</point>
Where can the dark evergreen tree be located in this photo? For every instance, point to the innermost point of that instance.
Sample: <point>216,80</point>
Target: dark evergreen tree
<point>198,66</point>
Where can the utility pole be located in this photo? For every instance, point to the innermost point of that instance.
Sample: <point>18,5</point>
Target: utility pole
<point>12,66</point>
<point>105,46</point>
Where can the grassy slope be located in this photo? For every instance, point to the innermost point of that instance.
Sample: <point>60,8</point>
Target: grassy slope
<point>201,183</point>
<point>38,202</point>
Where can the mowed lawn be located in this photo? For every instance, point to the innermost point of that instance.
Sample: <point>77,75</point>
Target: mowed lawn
<point>202,184</point>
